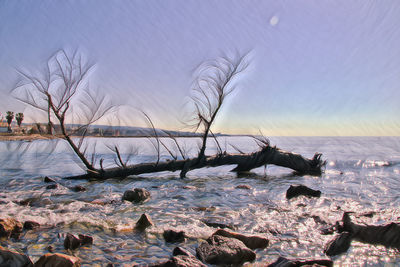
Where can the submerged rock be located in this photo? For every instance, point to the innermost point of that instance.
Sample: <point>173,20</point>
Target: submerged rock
<point>13,258</point>
<point>35,202</point>
<point>339,244</point>
<point>78,188</point>
<point>217,224</point>
<point>85,239</point>
<point>52,186</point>
<point>72,242</point>
<point>223,250</point>
<point>181,251</point>
<point>31,225</point>
<point>252,242</point>
<point>58,259</point>
<point>136,195</point>
<point>301,190</point>
<point>143,222</point>
<point>10,227</point>
<point>283,262</point>
<point>47,179</point>
<point>172,236</point>
<point>243,186</point>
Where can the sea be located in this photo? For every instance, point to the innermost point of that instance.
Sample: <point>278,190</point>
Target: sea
<point>362,175</point>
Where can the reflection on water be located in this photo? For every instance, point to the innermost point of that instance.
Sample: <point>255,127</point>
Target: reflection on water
<point>361,176</point>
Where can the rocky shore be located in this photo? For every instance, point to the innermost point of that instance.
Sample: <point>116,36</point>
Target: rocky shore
<point>224,247</point>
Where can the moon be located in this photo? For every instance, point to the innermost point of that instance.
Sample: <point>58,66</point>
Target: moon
<point>274,21</point>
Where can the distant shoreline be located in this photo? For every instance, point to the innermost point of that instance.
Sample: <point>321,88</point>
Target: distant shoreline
<point>32,137</point>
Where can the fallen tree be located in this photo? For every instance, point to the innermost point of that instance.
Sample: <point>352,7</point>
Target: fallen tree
<point>244,162</point>
<point>62,87</point>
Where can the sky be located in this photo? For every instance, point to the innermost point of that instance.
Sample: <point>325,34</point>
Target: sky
<point>322,68</point>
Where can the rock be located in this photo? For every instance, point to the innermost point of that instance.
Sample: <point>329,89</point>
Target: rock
<point>58,260</point>
<point>31,225</point>
<point>178,261</point>
<point>184,261</point>
<point>50,248</point>
<point>189,187</point>
<point>144,222</point>
<point>220,250</point>
<point>78,188</point>
<point>10,227</point>
<point>48,180</point>
<point>35,202</point>
<point>283,262</point>
<point>172,236</point>
<point>243,186</point>
<point>339,245</point>
<point>181,251</point>
<point>301,190</point>
<point>369,214</point>
<point>13,258</point>
<point>85,239</point>
<point>71,242</point>
<point>52,186</point>
<point>217,224</point>
<point>252,242</point>
<point>328,231</point>
<point>136,195</point>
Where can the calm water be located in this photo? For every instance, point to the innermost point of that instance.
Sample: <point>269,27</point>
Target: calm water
<point>361,175</point>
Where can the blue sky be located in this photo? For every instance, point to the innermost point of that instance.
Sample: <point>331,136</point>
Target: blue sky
<point>317,67</point>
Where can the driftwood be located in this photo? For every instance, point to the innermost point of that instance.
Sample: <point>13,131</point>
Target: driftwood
<point>385,235</point>
<point>244,162</point>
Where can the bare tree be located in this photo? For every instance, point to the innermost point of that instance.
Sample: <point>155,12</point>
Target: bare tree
<point>63,85</point>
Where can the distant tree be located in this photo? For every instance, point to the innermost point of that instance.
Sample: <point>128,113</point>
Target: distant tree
<point>9,118</point>
<point>19,117</point>
<point>39,127</point>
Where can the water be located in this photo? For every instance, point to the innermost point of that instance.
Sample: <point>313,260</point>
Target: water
<point>361,175</point>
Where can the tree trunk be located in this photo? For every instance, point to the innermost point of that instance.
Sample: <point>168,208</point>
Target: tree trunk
<point>244,162</point>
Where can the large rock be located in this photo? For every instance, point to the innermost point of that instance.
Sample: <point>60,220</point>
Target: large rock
<point>58,260</point>
<point>143,222</point>
<point>223,250</point>
<point>172,236</point>
<point>283,262</point>
<point>10,227</point>
<point>301,190</point>
<point>252,242</point>
<point>136,195</point>
<point>13,258</point>
<point>339,245</point>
